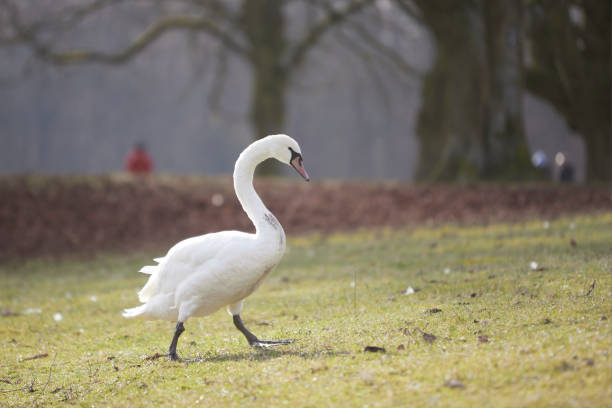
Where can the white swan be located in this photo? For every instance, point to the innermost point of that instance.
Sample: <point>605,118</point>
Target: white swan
<point>203,274</point>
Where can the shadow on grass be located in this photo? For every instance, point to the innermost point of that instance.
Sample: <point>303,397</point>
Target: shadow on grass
<point>259,355</point>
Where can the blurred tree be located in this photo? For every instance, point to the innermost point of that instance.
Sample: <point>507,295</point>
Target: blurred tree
<point>253,30</point>
<point>471,124</point>
<point>569,66</point>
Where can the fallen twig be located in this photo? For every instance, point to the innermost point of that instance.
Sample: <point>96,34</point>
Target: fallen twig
<point>44,388</point>
<point>25,387</point>
<point>591,289</point>
<point>37,356</point>
<point>155,356</point>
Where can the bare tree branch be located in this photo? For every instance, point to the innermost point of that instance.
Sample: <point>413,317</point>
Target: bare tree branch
<point>388,52</point>
<point>367,60</point>
<point>74,15</point>
<point>411,10</point>
<point>218,9</point>
<point>316,32</point>
<point>218,83</point>
<point>29,36</point>
<point>549,88</point>
<point>68,17</point>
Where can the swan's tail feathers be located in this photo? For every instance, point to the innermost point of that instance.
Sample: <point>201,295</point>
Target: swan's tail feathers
<point>149,269</point>
<point>147,291</point>
<point>151,286</point>
<point>135,311</point>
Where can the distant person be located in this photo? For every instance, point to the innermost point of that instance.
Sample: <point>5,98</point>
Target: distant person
<point>566,169</point>
<point>566,173</point>
<point>138,161</point>
<point>540,162</point>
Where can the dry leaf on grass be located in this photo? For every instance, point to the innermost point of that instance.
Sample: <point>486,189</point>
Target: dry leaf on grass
<point>429,338</point>
<point>374,349</point>
<point>453,383</point>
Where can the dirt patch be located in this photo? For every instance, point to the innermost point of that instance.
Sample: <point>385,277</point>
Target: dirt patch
<point>65,215</point>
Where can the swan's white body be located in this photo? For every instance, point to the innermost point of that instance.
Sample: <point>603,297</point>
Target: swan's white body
<point>202,274</point>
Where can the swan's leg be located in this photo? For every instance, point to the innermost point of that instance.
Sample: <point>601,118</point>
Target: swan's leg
<point>177,333</point>
<point>252,339</point>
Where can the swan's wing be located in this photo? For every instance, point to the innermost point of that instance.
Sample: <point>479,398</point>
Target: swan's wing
<point>184,259</point>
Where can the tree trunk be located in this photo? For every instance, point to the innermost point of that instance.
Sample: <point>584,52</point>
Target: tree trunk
<point>449,126</point>
<point>570,68</point>
<point>471,123</point>
<point>268,109</point>
<point>506,152</point>
<point>599,153</point>
<point>264,26</point>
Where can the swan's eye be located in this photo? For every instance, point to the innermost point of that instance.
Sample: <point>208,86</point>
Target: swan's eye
<point>297,163</point>
<point>294,154</point>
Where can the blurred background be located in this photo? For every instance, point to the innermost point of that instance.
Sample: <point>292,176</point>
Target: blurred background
<point>427,90</point>
<point>459,213</point>
<point>407,111</point>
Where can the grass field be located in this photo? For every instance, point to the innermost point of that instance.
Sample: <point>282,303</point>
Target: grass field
<point>482,328</point>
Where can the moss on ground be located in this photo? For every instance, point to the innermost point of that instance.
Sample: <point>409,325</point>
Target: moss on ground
<point>483,327</point>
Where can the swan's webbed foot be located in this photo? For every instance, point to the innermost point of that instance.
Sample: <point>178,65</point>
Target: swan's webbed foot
<point>265,344</point>
<point>174,357</point>
<point>253,340</point>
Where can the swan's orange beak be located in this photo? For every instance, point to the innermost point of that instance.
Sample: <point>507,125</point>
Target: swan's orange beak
<point>297,164</point>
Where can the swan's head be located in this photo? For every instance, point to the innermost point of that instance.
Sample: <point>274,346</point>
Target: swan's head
<point>286,150</point>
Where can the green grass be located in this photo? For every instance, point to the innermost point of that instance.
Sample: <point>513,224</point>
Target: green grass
<point>549,336</point>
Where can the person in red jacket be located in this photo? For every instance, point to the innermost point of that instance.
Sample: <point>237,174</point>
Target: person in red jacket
<point>138,161</point>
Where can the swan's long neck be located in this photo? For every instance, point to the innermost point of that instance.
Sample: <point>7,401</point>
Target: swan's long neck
<point>244,169</point>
